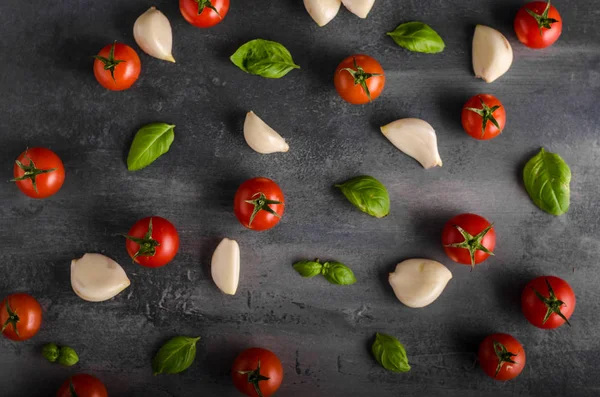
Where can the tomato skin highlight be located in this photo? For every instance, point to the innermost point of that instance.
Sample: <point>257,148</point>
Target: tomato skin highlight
<point>270,367</point>
<point>473,224</point>
<point>126,73</point>
<point>208,17</point>
<point>84,385</point>
<point>249,191</point>
<point>535,309</point>
<point>354,93</point>
<point>29,312</point>
<point>163,232</point>
<point>488,358</point>
<point>528,30</point>
<point>472,122</point>
<point>47,184</point>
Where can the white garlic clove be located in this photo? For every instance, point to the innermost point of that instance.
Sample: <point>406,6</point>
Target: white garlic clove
<point>322,11</point>
<point>96,278</point>
<point>492,53</point>
<point>152,32</point>
<point>262,138</point>
<point>419,282</point>
<point>225,266</point>
<point>360,8</point>
<point>416,138</point>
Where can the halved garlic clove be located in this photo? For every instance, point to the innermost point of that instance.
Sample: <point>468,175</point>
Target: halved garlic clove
<point>416,138</point>
<point>360,8</point>
<point>419,282</point>
<point>97,278</point>
<point>225,266</point>
<point>152,32</point>
<point>492,53</point>
<point>322,11</point>
<point>262,138</point>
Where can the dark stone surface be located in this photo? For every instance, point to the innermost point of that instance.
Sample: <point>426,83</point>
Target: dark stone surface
<point>322,333</point>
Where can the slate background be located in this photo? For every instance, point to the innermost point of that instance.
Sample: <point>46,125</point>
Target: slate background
<point>321,332</point>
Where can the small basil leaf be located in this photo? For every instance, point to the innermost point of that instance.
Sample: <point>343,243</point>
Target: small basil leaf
<point>547,179</point>
<point>150,142</point>
<point>68,356</point>
<point>418,37</point>
<point>264,58</point>
<point>368,195</point>
<point>338,273</point>
<point>50,352</point>
<point>308,268</point>
<point>175,356</point>
<point>390,353</point>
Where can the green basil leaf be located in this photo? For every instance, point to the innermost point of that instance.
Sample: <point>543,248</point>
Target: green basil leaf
<point>338,273</point>
<point>50,352</point>
<point>368,195</point>
<point>264,58</point>
<point>308,268</point>
<point>68,356</point>
<point>390,353</point>
<point>418,37</point>
<point>175,356</point>
<point>150,142</point>
<point>547,179</point>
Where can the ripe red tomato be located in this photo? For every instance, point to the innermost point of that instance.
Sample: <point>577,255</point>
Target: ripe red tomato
<point>39,172</point>
<point>469,239</point>
<point>82,385</point>
<point>204,13</point>
<point>259,204</point>
<point>257,372</point>
<point>501,356</point>
<point>152,242</point>
<point>20,317</point>
<point>483,117</point>
<point>538,24</point>
<point>359,79</point>
<point>548,302</point>
<point>117,67</point>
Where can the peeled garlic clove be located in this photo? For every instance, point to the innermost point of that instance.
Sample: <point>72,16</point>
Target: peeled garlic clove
<point>492,53</point>
<point>360,8</point>
<point>322,11</point>
<point>416,138</point>
<point>225,266</point>
<point>419,282</point>
<point>152,32</point>
<point>262,138</point>
<point>96,278</point>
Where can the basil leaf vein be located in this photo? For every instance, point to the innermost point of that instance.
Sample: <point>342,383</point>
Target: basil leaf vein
<point>368,195</point>
<point>547,179</point>
<point>418,37</point>
<point>390,353</point>
<point>175,356</point>
<point>149,143</point>
<point>264,58</point>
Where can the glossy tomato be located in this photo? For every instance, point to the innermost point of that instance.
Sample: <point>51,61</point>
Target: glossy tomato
<point>259,204</point>
<point>359,79</point>
<point>39,172</point>
<point>257,372</point>
<point>20,317</point>
<point>152,242</point>
<point>483,117</point>
<point>204,13</point>
<point>548,302</point>
<point>538,24</point>
<point>117,67</point>
<point>469,239</point>
<point>82,385</point>
<point>501,356</point>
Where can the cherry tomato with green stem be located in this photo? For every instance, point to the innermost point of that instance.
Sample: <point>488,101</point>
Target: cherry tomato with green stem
<point>359,79</point>
<point>259,204</point>
<point>257,372</point>
<point>38,172</point>
<point>152,242</point>
<point>204,13</point>
<point>548,302</point>
<point>483,117</point>
<point>20,317</point>
<point>469,239</point>
<point>82,385</point>
<point>501,356</point>
<point>117,66</point>
<point>538,24</point>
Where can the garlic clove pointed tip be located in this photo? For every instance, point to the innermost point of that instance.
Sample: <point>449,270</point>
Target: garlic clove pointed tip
<point>170,58</point>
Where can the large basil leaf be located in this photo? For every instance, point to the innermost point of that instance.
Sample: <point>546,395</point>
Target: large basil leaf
<point>390,353</point>
<point>338,273</point>
<point>418,37</point>
<point>308,268</point>
<point>547,179</point>
<point>368,195</point>
<point>264,58</point>
<point>150,142</point>
<point>175,356</point>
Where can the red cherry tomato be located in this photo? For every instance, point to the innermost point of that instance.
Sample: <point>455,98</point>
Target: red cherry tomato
<point>538,24</point>
<point>257,369</point>
<point>469,239</point>
<point>359,79</point>
<point>152,242</point>
<point>117,67</point>
<point>82,385</point>
<point>20,317</point>
<point>204,13</point>
<point>39,172</point>
<point>501,356</point>
<point>548,302</point>
<point>259,204</point>
<point>483,117</point>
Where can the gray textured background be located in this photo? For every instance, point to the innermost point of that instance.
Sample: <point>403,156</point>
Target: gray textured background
<point>321,332</point>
